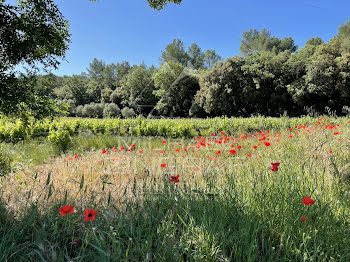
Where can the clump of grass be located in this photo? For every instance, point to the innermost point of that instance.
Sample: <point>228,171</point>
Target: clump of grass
<point>5,162</point>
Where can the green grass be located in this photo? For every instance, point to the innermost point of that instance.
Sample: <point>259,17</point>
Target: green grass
<point>237,211</point>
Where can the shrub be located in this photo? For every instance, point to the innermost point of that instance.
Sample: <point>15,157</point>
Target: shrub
<point>71,106</point>
<point>111,110</point>
<point>79,111</point>
<point>93,110</point>
<point>128,112</point>
<point>61,138</point>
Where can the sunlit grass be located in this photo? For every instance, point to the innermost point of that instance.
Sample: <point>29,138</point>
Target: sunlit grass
<point>226,207</point>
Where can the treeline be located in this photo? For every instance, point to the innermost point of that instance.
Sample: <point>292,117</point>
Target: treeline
<point>271,77</point>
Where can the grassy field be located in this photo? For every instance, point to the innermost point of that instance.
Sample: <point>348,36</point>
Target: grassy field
<point>218,197</point>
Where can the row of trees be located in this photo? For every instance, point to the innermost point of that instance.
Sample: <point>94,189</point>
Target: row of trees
<point>138,89</point>
<point>270,78</point>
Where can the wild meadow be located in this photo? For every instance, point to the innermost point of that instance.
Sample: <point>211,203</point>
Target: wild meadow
<point>256,195</point>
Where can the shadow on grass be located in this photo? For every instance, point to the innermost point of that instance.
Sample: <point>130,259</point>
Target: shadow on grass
<point>167,226</point>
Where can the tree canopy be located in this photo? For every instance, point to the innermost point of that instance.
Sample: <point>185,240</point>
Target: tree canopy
<point>255,41</point>
<point>32,33</point>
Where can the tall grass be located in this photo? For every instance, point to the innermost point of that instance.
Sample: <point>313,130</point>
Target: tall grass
<point>226,207</point>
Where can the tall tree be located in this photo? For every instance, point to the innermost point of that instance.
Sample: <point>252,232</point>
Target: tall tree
<point>31,33</point>
<point>96,69</point>
<point>344,37</point>
<point>268,71</point>
<point>315,41</point>
<point>176,87</point>
<point>225,88</point>
<point>78,86</point>
<point>136,90</point>
<point>210,58</point>
<point>175,52</point>
<point>196,56</point>
<point>255,41</point>
<point>123,69</point>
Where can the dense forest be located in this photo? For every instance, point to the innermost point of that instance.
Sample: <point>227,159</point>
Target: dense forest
<point>270,77</point>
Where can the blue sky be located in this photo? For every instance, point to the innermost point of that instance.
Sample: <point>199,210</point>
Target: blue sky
<point>117,30</point>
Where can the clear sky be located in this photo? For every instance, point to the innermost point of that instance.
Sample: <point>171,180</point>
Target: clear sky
<point>117,30</point>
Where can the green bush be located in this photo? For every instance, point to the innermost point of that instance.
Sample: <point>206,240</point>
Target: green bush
<point>93,110</point>
<point>128,112</point>
<point>111,110</point>
<point>79,111</point>
<point>61,138</point>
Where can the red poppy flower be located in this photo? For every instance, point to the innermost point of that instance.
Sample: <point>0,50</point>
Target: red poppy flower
<point>164,142</point>
<point>330,151</point>
<point>267,144</point>
<point>114,149</point>
<point>249,155</point>
<point>121,148</point>
<point>308,201</point>
<point>104,151</point>
<point>90,214</point>
<point>66,209</point>
<point>255,147</point>
<point>175,179</point>
<point>222,132</point>
<point>303,218</point>
<point>76,156</point>
<point>336,133</point>
<point>239,147</point>
<point>274,166</point>
<point>163,165</point>
<point>218,152</point>
<point>131,147</point>
<point>141,151</point>
<point>232,151</point>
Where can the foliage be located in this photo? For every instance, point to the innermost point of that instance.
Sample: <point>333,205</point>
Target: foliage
<point>255,41</point>
<point>111,110</point>
<point>268,72</point>
<point>61,138</point>
<point>196,56</point>
<point>128,112</point>
<point>32,33</point>
<point>5,162</point>
<point>344,37</point>
<point>226,90</point>
<point>136,90</point>
<point>210,58</point>
<point>14,130</point>
<point>93,110</point>
<point>160,4</point>
<point>176,87</point>
<point>175,52</point>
